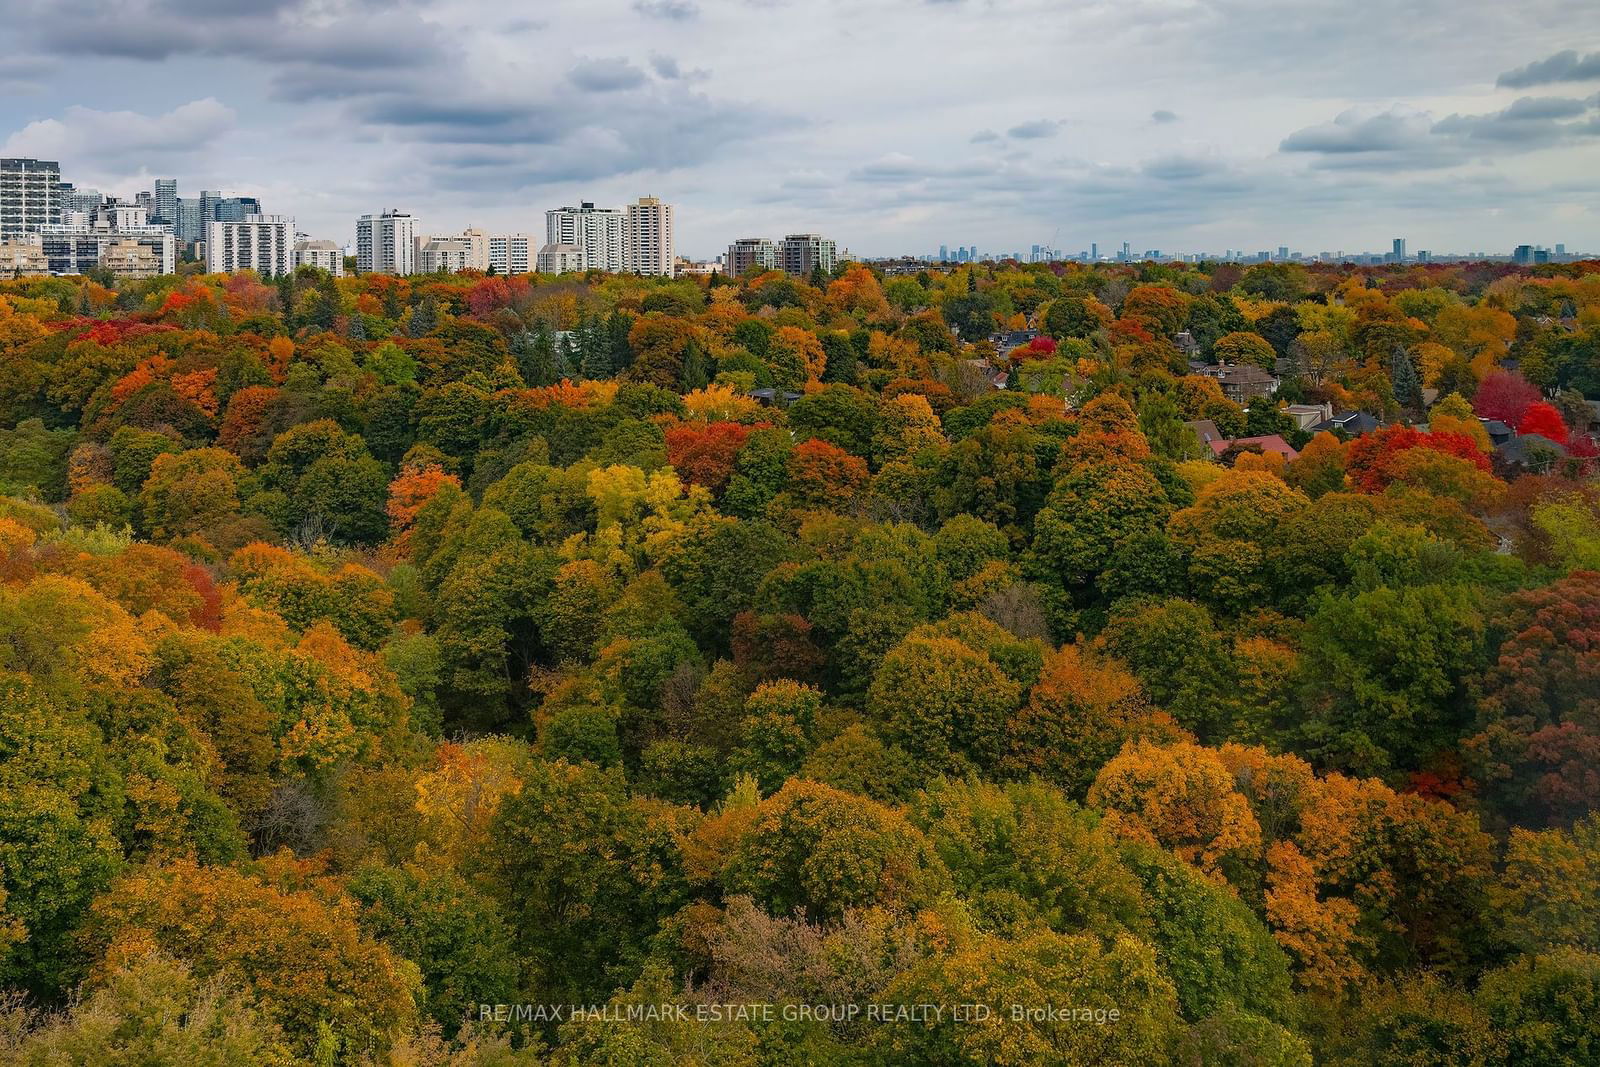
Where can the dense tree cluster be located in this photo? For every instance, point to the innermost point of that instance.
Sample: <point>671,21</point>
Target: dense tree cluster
<point>376,648</point>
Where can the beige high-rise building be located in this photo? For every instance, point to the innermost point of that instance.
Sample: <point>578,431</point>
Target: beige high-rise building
<point>647,238</point>
<point>560,259</point>
<point>21,256</point>
<point>325,255</point>
<point>385,244</point>
<point>450,255</point>
<point>82,244</point>
<point>597,233</point>
<point>262,243</point>
<point>748,252</point>
<point>512,253</point>
<point>129,258</point>
<point>801,253</point>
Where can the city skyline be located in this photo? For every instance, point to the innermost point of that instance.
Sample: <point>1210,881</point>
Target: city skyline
<point>334,110</point>
<point>607,250</point>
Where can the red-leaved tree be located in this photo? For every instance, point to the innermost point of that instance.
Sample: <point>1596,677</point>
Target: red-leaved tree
<point>1504,395</point>
<point>1544,420</point>
<point>1368,463</point>
<point>704,454</point>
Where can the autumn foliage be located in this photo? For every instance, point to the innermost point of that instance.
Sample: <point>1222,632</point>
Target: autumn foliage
<point>1370,462</point>
<point>375,648</point>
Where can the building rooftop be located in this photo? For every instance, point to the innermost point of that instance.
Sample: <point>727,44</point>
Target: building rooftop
<point>1354,423</point>
<point>1266,443</point>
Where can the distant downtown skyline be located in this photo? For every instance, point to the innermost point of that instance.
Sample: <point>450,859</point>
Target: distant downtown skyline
<point>587,235</point>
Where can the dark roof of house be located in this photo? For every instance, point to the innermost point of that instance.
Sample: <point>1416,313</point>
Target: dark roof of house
<point>1355,422</point>
<point>768,396</point>
<point>1013,338</point>
<point>1207,431</point>
<point>1244,374</point>
<point>1518,448</point>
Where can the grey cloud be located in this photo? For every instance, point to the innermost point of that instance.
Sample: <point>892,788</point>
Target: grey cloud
<point>1028,131</point>
<point>668,69</point>
<point>983,136</point>
<point>898,167</point>
<point>136,39</point>
<point>1401,139</point>
<point>23,66</point>
<point>623,130</point>
<point>378,41</point>
<point>889,168</point>
<point>223,8</point>
<point>651,140</point>
<point>1566,66</point>
<point>1545,107</point>
<point>22,75</point>
<point>1180,168</point>
<point>1163,116</point>
<point>306,84</point>
<point>1529,122</point>
<point>346,38</point>
<point>606,75</point>
<point>469,116</point>
<point>672,10</point>
<point>1354,132</point>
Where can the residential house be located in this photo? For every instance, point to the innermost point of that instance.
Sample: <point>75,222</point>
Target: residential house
<point>1499,433</point>
<point>1006,340</point>
<point>1241,383</point>
<point>1217,444</point>
<point>1265,443</point>
<point>1208,433</point>
<point>770,397</point>
<point>1306,416</point>
<point>1348,423</point>
<point>1528,451</point>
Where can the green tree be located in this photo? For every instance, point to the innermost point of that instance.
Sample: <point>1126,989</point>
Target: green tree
<point>1386,674</point>
<point>1043,968</point>
<point>1245,349</point>
<point>440,922</point>
<point>154,1010</point>
<point>1547,1008</point>
<point>568,860</point>
<point>944,702</point>
<point>1023,853</point>
<point>812,847</point>
<point>58,799</point>
<point>1403,377</point>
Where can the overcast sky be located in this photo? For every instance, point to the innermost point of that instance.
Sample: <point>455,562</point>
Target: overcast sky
<point>891,125</point>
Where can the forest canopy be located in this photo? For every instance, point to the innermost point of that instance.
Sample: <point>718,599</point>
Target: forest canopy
<point>377,649</point>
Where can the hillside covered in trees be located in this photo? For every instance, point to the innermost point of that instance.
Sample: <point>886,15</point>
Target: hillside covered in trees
<point>374,649</point>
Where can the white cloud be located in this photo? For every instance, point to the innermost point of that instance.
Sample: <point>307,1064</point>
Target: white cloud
<point>82,133</point>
